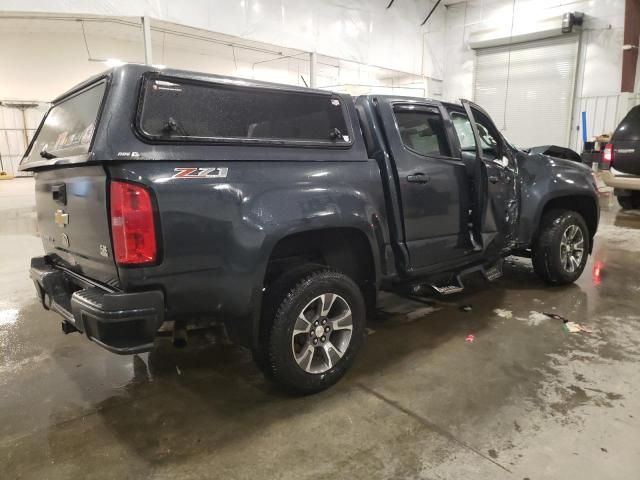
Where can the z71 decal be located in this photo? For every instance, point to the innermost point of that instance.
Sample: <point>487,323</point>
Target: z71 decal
<point>193,172</point>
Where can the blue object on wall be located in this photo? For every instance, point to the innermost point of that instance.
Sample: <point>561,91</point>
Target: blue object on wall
<point>584,127</point>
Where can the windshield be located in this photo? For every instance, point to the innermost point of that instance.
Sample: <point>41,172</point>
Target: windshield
<point>68,128</point>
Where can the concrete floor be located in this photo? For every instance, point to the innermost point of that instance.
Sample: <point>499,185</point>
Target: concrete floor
<point>524,400</point>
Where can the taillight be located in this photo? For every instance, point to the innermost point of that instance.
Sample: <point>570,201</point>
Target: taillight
<point>132,224</point>
<point>607,154</point>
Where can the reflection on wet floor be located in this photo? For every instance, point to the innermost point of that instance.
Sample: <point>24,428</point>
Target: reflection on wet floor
<point>525,399</point>
<point>628,219</point>
<point>19,221</point>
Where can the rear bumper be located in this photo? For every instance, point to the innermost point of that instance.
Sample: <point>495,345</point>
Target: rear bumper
<point>624,182</point>
<point>123,323</point>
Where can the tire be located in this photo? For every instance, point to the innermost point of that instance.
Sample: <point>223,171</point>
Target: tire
<point>274,294</point>
<point>626,202</point>
<point>295,362</point>
<point>630,202</point>
<point>551,264</point>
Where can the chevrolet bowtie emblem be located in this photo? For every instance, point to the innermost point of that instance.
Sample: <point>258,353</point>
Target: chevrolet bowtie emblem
<point>61,218</point>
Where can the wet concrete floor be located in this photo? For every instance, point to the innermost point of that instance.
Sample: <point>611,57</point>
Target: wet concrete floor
<point>524,400</point>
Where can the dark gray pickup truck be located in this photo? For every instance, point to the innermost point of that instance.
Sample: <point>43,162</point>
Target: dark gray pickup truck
<point>168,196</point>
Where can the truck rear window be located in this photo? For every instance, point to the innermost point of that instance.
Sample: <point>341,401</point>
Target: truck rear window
<point>68,127</point>
<point>178,110</point>
<point>629,128</point>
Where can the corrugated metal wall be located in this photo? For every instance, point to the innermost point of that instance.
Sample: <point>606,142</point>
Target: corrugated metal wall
<point>17,126</point>
<point>603,115</point>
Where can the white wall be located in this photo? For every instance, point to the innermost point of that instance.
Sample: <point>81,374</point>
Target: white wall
<point>363,31</point>
<point>447,39</point>
<point>42,57</point>
<point>41,66</point>
<point>38,64</point>
<point>448,55</point>
<point>13,142</point>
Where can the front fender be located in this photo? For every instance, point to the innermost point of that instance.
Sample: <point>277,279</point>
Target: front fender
<point>543,179</point>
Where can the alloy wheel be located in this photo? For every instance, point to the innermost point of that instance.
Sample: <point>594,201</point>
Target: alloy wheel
<point>322,333</point>
<point>571,248</point>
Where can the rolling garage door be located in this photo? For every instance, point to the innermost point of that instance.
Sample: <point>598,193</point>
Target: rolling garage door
<point>527,88</point>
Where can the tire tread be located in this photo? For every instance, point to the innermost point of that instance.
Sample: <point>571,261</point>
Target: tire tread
<point>543,251</point>
<point>278,370</point>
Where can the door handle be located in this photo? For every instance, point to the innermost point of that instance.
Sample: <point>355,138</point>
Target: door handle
<point>59,193</point>
<point>418,178</point>
<point>494,179</point>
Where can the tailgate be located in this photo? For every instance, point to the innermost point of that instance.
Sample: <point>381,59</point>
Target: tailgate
<point>72,212</point>
<point>626,144</point>
<point>71,194</point>
<point>626,156</point>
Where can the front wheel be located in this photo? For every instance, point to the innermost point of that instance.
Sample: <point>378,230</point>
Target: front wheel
<point>560,252</point>
<point>316,332</point>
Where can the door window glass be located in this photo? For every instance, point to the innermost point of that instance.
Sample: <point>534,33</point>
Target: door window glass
<point>422,131</point>
<point>489,137</point>
<point>464,131</point>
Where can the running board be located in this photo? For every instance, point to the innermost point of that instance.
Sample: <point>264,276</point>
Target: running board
<point>447,289</point>
<point>491,273</point>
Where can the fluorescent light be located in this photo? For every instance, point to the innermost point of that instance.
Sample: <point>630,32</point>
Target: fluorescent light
<point>114,62</point>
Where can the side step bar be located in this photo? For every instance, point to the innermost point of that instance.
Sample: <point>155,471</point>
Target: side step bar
<point>448,289</point>
<point>491,273</point>
<point>494,272</point>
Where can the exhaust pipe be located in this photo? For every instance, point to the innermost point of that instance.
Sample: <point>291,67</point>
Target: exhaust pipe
<point>179,336</point>
<point>68,328</point>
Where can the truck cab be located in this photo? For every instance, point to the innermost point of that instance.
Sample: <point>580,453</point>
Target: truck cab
<point>166,197</point>
<point>453,204</point>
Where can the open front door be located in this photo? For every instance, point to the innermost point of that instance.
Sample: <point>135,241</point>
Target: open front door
<point>495,207</point>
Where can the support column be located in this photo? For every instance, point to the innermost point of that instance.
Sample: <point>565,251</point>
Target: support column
<point>630,52</point>
<point>146,35</point>
<point>313,62</point>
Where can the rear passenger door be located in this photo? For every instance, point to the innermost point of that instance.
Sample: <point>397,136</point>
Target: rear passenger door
<point>434,187</point>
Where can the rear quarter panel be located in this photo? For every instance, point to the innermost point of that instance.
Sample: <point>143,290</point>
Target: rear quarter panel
<point>217,234</point>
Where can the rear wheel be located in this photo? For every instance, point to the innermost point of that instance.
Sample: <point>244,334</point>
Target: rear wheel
<point>560,253</point>
<point>630,201</point>
<point>316,332</point>
<point>275,291</point>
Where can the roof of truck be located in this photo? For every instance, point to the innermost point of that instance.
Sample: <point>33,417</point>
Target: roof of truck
<point>138,69</point>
